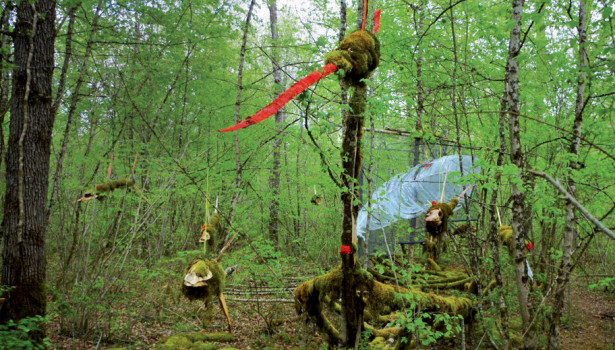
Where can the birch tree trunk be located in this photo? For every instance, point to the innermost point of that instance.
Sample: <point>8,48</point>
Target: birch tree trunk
<point>563,275</point>
<point>274,180</point>
<point>23,256</point>
<point>511,95</point>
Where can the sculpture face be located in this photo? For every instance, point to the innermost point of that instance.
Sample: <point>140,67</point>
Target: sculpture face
<point>204,235</point>
<point>434,217</point>
<point>198,274</point>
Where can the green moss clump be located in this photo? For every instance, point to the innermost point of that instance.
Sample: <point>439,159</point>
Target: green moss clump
<point>505,235</point>
<point>358,55</point>
<point>222,337</point>
<point>199,345</point>
<point>177,341</point>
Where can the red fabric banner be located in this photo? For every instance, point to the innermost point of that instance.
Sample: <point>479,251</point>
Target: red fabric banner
<point>284,97</point>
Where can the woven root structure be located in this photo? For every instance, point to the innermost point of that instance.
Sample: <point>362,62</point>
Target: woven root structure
<point>382,302</point>
<point>434,278</point>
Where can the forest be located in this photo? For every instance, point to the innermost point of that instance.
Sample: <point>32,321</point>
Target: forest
<point>277,174</point>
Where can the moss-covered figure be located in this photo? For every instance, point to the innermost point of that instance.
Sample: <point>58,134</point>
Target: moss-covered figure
<point>113,185</point>
<point>436,224</point>
<point>316,200</point>
<point>211,231</point>
<point>358,55</point>
<point>203,280</point>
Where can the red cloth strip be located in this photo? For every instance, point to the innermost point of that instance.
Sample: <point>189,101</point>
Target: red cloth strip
<point>364,14</point>
<point>284,97</point>
<point>377,21</point>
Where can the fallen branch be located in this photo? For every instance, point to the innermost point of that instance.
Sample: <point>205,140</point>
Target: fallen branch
<point>574,202</point>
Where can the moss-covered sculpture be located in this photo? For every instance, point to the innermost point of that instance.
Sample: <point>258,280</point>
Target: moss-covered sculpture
<point>107,187</point>
<point>211,232</point>
<point>113,185</point>
<point>204,279</point>
<point>436,224</point>
<point>358,55</point>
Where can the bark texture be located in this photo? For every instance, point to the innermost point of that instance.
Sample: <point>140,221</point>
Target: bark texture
<point>274,180</point>
<point>351,163</point>
<point>511,95</point>
<point>24,263</point>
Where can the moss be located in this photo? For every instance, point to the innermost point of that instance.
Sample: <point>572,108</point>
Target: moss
<point>505,235</point>
<point>202,346</point>
<point>223,337</point>
<point>379,343</point>
<point>462,229</point>
<point>113,185</point>
<point>358,55</point>
<point>177,341</point>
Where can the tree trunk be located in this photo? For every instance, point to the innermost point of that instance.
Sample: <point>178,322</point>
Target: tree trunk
<point>352,303</point>
<point>511,94</point>
<point>24,262</point>
<point>420,109</point>
<point>242,56</point>
<point>493,229</point>
<point>568,244</point>
<point>351,164</point>
<point>5,77</point>
<point>274,180</point>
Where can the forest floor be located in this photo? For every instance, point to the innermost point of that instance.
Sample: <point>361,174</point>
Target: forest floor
<point>588,323</point>
<point>589,320</point>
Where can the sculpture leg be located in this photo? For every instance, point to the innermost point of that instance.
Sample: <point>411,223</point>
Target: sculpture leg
<point>223,304</point>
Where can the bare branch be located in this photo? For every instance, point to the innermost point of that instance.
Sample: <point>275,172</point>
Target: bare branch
<point>574,202</point>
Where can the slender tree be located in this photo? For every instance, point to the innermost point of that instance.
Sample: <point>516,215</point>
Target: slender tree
<point>511,95</point>
<point>568,244</point>
<point>242,57</point>
<point>23,256</point>
<point>274,179</point>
